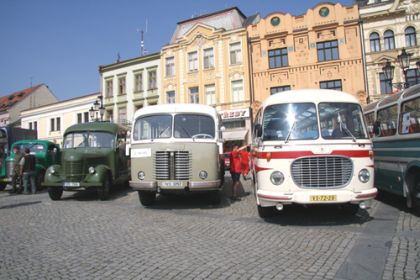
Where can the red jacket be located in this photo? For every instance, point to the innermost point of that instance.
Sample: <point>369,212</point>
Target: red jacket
<point>235,162</point>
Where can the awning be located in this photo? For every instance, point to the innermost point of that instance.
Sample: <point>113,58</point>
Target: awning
<point>234,135</point>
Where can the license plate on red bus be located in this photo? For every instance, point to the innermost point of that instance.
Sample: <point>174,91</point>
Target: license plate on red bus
<point>321,198</point>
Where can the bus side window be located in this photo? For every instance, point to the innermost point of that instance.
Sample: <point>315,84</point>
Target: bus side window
<point>410,117</point>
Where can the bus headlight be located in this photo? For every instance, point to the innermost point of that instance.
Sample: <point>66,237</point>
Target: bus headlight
<point>364,175</point>
<point>141,175</point>
<point>91,170</point>
<point>277,178</point>
<point>203,174</point>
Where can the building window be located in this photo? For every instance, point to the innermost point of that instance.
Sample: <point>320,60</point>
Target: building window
<point>234,124</point>
<point>33,125</point>
<point>55,124</point>
<point>192,61</point>
<point>334,84</point>
<point>152,80</point>
<point>170,66</point>
<point>122,115</point>
<point>208,58</point>
<point>235,53</point>
<point>278,58</point>
<point>327,50</point>
<point>138,82</point>
<point>413,77</point>
<point>386,86</point>
<point>108,88</point>
<point>210,91</point>
<point>121,86</point>
<point>410,37</point>
<point>79,118</point>
<point>83,117</point>
<point>389,41</point>
<point>237,91</point>
<point>375,42</point>
<point>275,90</point>
<point>194,97</point>
<point>170,97</point>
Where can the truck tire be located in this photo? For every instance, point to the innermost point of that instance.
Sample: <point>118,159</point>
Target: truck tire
<point>147,198</point>
<point>103,192</point>
<point>265,212</point>
<point>55,193</point>
<point>39,180</point>
<point>2,186</point>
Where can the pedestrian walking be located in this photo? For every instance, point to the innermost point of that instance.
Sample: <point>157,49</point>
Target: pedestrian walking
<point>235,171</point>
<point>16,178</point>
<point>27,170</point>
<point>244,155</point>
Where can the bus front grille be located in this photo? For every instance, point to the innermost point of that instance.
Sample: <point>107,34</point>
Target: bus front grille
<point>172,165</point>
<point>322,172</point>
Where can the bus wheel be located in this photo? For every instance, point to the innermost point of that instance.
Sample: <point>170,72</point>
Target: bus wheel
<point>103,192</point>
<point>413,195</point>
<point>55,193</point>
<point>350,209</point>
<point>265,212</point>
<point>2,186</point>
<point>147,198</point>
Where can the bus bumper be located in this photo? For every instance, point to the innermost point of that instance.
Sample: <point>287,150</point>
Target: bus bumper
<point>175,185</point>
<point>270,198</point>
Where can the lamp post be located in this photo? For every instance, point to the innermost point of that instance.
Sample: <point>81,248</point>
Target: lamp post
<point>404,61</point>
<point>97,106</point>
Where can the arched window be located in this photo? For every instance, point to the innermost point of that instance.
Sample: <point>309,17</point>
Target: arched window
<point>375,42</point>
<point>389,42</point>
<point>410,37</point>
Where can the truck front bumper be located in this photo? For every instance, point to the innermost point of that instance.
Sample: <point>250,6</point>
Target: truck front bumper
<point>154,186</point>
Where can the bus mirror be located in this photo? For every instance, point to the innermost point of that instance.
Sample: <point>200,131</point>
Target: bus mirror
<point>258,130</point>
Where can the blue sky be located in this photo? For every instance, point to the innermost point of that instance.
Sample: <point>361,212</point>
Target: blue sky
<point>62,43</point>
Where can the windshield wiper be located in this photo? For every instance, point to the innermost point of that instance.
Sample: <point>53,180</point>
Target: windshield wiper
<point>344,126</point>
<point>290,132</point>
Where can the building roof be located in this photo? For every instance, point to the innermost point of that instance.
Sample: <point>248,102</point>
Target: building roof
<point>228,19</point>
<point>8,101</point>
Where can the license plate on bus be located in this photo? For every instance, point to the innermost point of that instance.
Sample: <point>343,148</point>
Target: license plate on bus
<point>321,198</point>
<point>71,184</point>
<point>171,184</point>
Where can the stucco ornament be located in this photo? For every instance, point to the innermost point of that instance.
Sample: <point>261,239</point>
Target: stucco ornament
<point>412,7</point>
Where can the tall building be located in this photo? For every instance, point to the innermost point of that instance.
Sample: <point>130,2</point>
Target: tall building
<point>319,49</point>
<point>388,27</point>
<point>129,85</point>
<point>207,62</point>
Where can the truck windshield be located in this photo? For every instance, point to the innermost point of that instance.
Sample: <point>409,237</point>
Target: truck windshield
<point>194,126</point>
<point>294,121</point>
<point>342,120</point>
<point>34,148</point>
<point>89,140</point>
<point>153,127</point>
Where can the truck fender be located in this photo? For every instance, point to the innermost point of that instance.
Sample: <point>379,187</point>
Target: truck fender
<point>101,171</point>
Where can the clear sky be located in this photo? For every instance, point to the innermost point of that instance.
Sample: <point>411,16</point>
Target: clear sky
<point>62,43</point>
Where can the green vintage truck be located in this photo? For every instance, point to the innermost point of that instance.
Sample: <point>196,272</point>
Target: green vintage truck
<point>46,154</point>
<point>92,158</point>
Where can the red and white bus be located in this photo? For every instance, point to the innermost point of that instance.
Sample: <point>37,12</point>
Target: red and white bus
<point>312,147</point>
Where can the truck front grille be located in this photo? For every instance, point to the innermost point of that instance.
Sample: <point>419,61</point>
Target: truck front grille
<point>322,172</point>
<point>73,169</point>
<point>172,165</point>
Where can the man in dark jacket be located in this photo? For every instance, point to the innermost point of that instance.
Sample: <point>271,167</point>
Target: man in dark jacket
<point>27,170</point>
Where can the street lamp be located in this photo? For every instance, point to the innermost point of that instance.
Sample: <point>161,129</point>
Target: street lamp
<point>404,61</point>
<point>97,106</point>
<point>388,70</point>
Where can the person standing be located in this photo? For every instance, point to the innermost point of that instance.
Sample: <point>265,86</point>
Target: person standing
<point>235,171</point>
<point>27,170</point>
<point>244,155</point>
<point>16,178</point>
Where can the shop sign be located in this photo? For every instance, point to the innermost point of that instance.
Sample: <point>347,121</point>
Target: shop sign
<point>235,114</point>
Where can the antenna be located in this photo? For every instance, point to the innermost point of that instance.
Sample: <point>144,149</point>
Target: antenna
<point>31,80</point>
<point>118,57</point>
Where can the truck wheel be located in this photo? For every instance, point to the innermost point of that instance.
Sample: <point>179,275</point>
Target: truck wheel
<point>55,193</point>
<point>2,186</point>
<point>103,192</point>
<point>350,209</point>
<point>39,180</point>
<point>147,198</point>
<point>265,212</point>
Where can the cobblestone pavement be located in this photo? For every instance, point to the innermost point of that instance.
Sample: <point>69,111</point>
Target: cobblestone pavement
<point>186,237</point>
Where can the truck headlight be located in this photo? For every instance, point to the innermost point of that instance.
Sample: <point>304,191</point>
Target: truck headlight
<point>277,178</point>
<point>52,170</point>
<point>91,170</point>
<point>364,175</point>
<point>141,175</point>
<point>203,174</point>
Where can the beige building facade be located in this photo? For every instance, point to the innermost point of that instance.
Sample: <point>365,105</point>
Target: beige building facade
<point>130,85</point>
<point>319,49</point>
<point>52,120</point>
<point>207,62</point>
<point>388,27</point>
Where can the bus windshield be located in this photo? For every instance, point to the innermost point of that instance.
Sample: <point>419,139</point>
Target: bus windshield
<point>153,127</point>
<point>194,126</point>
<point>89,140</point>
<point>294,121</point>
<point>341,120</point>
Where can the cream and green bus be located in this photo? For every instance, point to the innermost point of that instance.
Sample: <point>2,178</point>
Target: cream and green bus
<point>176,148</point>
<point>394,125</point>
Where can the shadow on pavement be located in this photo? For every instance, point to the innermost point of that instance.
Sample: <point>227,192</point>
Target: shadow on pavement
<point>20,204</point>
<point>317,215</point>
<point>395,201</point>
<point>116,193</point>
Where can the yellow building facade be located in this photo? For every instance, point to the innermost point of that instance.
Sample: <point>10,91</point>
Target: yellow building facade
<point>207,62</point>
<point>319,49</point>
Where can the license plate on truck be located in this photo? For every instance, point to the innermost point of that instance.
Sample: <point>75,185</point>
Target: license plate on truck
<point>71,184</point>
<point>171,184</point>
<point>322,198</point>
